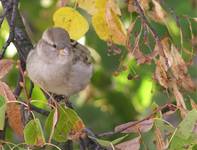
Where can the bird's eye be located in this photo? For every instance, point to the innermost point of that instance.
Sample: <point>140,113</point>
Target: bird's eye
<point>54,45</point>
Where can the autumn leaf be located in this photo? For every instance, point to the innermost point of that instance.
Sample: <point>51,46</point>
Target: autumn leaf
<point>116,28</point>
<point>143,3</point>
<point>5,66</point>
<point>72,21</point>
<point>160,144</point>
<point>114,7</point>
<point>160,74</point>
<point>133,144</point>
<point>158,14</point>
<point>180,71</point>
<point>33,133</point>
<point>100,25</point>
<point>178,96</point>
<point>88,5</point>
<point>131,127</point>
<point>13,110</point>
<point>64,124</point>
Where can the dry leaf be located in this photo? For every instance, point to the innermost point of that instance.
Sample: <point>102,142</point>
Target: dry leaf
<point>133,144</point>
<point>160,74</point>
<point>178,96</point>
<point>13,110</point>
<point>143,126</point>
<point>160,144</point>
<point>179,70</point>
<point>158,14</point>
<point>167,59</point>
<point>193,104</point>
<point>5,66</point>
<point>179,67</point>
<point>143,3</point>
<point>77,131</point>
<point>114,7</point>
<point>116,28</point>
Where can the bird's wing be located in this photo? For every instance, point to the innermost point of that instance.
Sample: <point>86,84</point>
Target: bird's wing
<point>81,53</point>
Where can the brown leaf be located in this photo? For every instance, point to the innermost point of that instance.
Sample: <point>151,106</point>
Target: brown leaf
<point>114,7</point>
<point>133,144</point>
<point>143,3</point>
<point>143,126</point>
<point>5,67</point>
<point>77,131</point>
<point>160,74</point>
<point>180,71</point>
<point>167,58</point>
<point>179,67</point>
<point>178,96</point>
<point>157,13</point>
<point>116,28</point>
<point>160,144</point>
<point>193,104</point>
<point>13,110</point>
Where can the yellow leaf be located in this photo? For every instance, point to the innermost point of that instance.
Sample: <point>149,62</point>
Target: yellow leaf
<point>109,27</point>
<point>88,5</point>
<point>101,4</point>
<point>72,21</point>
<point>95,6</point>
<point>100,25</point>
<point>116,27</point>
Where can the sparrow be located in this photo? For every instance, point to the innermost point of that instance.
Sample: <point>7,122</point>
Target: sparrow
<point>58,64</point>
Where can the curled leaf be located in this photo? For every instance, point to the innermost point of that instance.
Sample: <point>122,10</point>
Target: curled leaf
<point>13,110</point>
<point>160,74</point>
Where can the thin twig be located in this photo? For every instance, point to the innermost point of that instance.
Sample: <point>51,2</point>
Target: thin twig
<point>18,88</point>
<point>82,144</point>
<point>12,27</point>
<point>137,122</point>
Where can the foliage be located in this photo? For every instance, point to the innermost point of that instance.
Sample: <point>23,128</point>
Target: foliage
<point>145,70</point>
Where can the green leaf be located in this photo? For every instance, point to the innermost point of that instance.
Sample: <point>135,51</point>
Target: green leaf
<point>184,136</point>
<point>2,112</point>
<point>185,128</point>
<point>118,140</point>
<point>33,133</point>
<point>49,123</point>
<point>104,143</point>
<point>67,118</point>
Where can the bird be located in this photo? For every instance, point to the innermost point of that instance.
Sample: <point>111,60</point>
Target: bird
<point>59,64</point>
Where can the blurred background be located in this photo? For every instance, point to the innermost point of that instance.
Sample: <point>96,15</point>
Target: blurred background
<point>120,90</point>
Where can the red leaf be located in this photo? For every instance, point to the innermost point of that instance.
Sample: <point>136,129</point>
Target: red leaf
<point>5,66</point>
<point>13,110</point>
